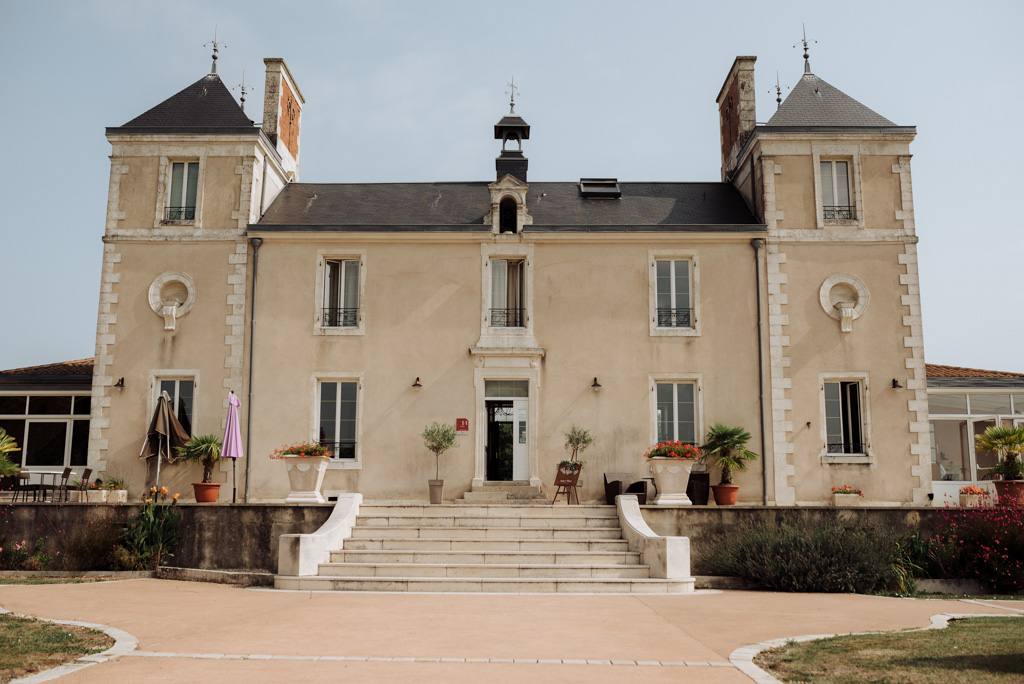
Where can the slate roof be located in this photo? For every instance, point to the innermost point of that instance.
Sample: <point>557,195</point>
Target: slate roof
<point>462,206</point>
<point>206,106</point>
<point>813,102</point>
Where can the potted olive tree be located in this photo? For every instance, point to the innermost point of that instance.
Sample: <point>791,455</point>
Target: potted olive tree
<point>576,442</point>
<point>204,449</point>
<point>727,448</point>
<point>1008,443</point>
<point>438,439</point>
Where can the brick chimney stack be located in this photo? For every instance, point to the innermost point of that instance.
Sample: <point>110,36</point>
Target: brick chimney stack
<point>736,111</point>
<point>282,112</point>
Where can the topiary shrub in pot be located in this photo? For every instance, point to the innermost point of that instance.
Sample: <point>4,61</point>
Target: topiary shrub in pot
<point>438,439</point>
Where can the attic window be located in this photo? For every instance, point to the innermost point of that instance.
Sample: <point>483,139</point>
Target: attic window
<point>600,188</point>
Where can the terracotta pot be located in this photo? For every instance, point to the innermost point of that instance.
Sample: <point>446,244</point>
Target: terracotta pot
<point>206,492</point>
<point>306,476</point>
<point>436,491</point>
<point>725,495</point>
<point>1010,492</point>
<point>671,476</point>
<point>846,500</point>
<point>970,500</point>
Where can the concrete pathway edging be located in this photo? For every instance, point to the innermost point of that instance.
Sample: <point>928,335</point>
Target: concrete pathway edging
<point>743,658</point>
<point>124,644</point>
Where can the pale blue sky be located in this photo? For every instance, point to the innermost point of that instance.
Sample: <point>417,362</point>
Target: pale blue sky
<point>404,91</point>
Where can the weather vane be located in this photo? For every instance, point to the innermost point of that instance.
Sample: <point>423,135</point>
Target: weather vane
<point>244,88</point>
<point>512,88</point>
<point>216,45</point>
<point>807,56</point>
<point>778,90</point>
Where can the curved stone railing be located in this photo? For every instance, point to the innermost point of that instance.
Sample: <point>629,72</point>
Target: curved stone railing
<point>667,557</point>
<point>302,554</point>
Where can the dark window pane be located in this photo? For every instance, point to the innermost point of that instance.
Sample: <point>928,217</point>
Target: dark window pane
<point>12,405</point>
<point>82,405</point>
<point>16,429</point>
<point>80,443</point>
<point>45,444</point>
<point>49,406</point>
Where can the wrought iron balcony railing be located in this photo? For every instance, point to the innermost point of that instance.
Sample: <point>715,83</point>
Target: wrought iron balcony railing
<point>839,213</point>
<point>341,318</point>
<point>845,448</point>
<point>181,213</point>
<point>507,318</point>
<point>675,318</point>
<point>342,449</point>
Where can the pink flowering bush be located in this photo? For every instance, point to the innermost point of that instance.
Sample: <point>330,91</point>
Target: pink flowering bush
<point>986,544</point>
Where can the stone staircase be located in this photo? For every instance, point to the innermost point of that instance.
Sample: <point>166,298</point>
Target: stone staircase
<point>521,493</point>
<point>485,548</point>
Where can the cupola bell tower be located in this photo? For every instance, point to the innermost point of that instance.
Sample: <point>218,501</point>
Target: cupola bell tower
<point>511,129</point>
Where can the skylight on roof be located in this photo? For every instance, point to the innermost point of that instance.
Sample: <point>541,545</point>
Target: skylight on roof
<point>600,188</point>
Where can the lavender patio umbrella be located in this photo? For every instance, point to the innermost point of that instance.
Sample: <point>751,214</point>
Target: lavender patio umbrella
<point>232,442</point>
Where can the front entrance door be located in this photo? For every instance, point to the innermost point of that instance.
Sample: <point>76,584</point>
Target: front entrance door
<point>506,446</point>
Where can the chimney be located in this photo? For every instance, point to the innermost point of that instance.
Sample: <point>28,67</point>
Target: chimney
<point>282,111</point>
<point>736,115</point>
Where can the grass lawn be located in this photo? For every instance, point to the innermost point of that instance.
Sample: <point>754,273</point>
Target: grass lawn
<point>970,651</point>
<point>28,646</point>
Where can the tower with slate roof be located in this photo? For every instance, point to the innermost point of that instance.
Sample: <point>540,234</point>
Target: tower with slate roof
<point>830,179</point>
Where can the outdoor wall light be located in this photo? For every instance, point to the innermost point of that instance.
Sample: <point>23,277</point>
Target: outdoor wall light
<point>596,386</point>
<point>119,384</point>
<point>417,384</point>
<point>896,384</point>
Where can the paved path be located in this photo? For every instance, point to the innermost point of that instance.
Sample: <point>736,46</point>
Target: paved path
<point>187,630</point>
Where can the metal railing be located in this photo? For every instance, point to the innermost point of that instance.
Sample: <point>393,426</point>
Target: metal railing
<point>507,318</point>
<point>181,213</point>
<point>839,213</point>
<point>845,448</point>
<point>340,318</point>
<point>342,449</point>
<point>675,318</point>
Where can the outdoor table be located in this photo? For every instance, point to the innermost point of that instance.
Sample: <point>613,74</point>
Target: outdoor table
<point>53,474</point>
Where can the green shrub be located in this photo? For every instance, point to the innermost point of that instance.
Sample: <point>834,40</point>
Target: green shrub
<point>151,535</point>
<point>808,556</point>
<point>986,544</point>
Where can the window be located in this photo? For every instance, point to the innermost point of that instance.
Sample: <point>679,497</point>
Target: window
<point>507,211</point>
<point>337,422</point>
<point>184,186</point>
<point>844,427</point>
<point>674,308</point>
<point>835,191</point>
<point>676,412</point>
<point>181,392</point>
<point>51,430</point>
<point>507,298</point>
<point>341,293</point>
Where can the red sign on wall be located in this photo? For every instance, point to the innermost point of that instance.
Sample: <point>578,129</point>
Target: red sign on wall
<point>462,426</point>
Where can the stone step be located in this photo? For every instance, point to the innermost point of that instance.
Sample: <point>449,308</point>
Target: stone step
<point>431,532</point>
<point>504,585</point>
<point>561,570</point>
<point>560,522</point>
<point>486,557</point>
<point>508,487</point>
<point>498,496</point>
<point>501,510</point>
<point>499,544</point>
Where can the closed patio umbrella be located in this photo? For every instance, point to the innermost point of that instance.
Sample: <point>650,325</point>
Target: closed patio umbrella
<point>165,434</point>
<point>232,441</point>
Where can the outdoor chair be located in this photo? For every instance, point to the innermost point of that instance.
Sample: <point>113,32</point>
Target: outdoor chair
<point>615,484</point>
<point>60,489</point>
<point>22,487</point>
<point>83,483</point>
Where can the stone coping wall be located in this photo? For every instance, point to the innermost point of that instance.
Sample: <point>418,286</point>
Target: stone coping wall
<point>246,536</point>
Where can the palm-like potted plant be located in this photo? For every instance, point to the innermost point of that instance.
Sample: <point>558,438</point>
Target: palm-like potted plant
<point>1008,443</point>
<point>204,449</point>
<point>8,468</point>
<point>438,439</point>
<point>727,448</point>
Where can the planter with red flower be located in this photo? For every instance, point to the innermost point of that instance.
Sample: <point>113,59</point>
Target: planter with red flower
<point>671,463</point>
<point>845,496</point>
<point>307,464</point>
<point>971,496</point>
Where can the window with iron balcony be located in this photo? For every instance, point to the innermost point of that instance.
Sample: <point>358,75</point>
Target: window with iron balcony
<point>507,301</point>
<point>836,202</point>
<point>341,293</point>
<point>181,205</point>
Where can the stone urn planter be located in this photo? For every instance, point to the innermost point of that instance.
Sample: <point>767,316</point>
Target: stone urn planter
<point>117,496</point>
<point>1010,492</point>
<point>95,495</point>
<point>970,500</point>
<point>846,500</point>
<point>306,477</point>
<point>671,476</point>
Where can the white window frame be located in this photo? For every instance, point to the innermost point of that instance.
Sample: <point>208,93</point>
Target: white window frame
<point>867,457</point>
<point>503,336</point>
<point>157,376</point>
<point>696,379</point>
<point>319,294</point>
<point>656,255</point>
<point>18,457</point>
<point>851,155</point>
<point>164,190</point>
<point>314,425</point>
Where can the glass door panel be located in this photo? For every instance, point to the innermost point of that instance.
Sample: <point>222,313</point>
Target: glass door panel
<point>983,459</point>
<point>951,455</point>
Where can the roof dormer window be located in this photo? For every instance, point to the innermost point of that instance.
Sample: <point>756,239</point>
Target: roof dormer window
<point>600,188</point>
<point>507,210</point>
